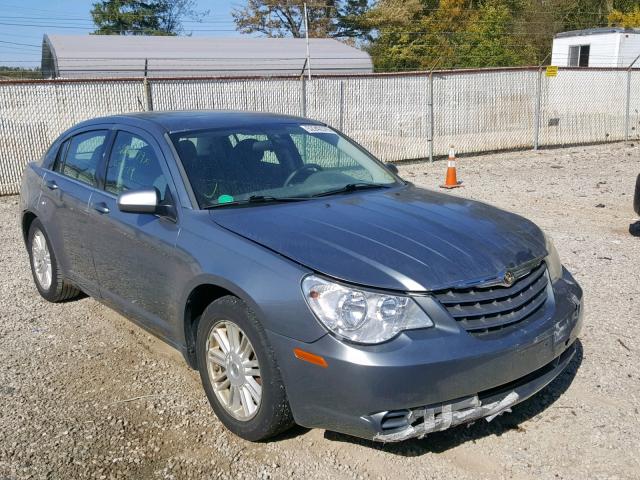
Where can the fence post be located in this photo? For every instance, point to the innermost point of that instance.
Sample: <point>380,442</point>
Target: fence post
<point>303,96</point>
<point>430,117</point>
<point>627,104</point>
<point>148,99</point>
<point>536,128</point>
<point>341,105</point>
<point>628,100</point>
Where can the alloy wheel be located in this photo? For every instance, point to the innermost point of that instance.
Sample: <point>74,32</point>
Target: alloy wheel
<point>41,260</point>
<point>234,370</point>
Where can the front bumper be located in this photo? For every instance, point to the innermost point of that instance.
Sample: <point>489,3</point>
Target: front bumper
<point>430,379</point>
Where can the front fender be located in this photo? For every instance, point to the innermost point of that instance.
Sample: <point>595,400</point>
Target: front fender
<point>269,283</point>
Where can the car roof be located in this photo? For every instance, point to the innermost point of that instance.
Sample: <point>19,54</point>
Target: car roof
<point>181,120</point>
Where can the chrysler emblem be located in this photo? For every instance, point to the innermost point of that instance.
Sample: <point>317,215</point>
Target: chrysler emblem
<point>509,278</point>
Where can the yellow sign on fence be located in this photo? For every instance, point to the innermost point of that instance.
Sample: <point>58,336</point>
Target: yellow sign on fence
<point>552,71</point>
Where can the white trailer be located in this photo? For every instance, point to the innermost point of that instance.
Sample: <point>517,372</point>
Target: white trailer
<point>596,47</point>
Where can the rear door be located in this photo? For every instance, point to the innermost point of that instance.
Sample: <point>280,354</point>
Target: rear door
<point>67,190</point>
<point>135,255</point>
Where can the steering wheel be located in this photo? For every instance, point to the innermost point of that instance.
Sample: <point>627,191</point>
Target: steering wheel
<point>309,167</point>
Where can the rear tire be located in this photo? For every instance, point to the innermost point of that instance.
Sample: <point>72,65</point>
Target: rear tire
<point>47,275</point>
<point>233,353</point>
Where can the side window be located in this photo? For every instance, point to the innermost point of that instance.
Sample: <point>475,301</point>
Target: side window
<point>83,155</point>
<point>133,165</point>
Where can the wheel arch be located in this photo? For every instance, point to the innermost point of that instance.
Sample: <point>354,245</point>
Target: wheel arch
<point>199,298</point>
<point>27,219</point>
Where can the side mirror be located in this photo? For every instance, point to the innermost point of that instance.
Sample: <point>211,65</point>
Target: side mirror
<point>139,201</point>
<point>392,168</point>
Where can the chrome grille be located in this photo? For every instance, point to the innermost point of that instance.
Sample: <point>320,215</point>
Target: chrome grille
<point>483,309</point>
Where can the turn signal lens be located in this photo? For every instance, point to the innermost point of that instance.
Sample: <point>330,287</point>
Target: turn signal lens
<point>310,357</point>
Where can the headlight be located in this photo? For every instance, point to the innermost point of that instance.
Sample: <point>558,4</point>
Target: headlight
<point>361,316</point>
<point>553,260</point>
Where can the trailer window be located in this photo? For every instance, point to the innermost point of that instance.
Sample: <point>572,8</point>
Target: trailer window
<point>579,55</point>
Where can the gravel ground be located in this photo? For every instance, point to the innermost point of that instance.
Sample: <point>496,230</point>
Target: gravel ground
<point>86,394</point>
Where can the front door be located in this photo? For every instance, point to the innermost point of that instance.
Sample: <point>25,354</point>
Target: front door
<point>135,254</point>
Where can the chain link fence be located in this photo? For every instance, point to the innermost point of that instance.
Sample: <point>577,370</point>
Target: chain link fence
<point>478,111</point>
<point>33,114</point>
<point>580,107</point>
<point>396,116</point>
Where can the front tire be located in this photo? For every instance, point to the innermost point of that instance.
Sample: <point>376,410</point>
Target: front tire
<point>239,371</point>
<point>44,267</point>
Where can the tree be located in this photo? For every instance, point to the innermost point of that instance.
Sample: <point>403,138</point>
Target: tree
<point>421,34</point>
<point>489,41</point>
<point>139,17</point>
<point>629,19</point>
<point>416,35</point>
<point>282,18</point>
<point>406,35</point>
<point>9,73</point>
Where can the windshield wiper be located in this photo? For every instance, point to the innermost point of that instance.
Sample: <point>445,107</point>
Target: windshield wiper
<point>351,187</point>
<point>267,198</point>
<point>256,199</point>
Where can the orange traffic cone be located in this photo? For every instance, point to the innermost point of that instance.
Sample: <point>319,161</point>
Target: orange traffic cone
<point>451,180</point>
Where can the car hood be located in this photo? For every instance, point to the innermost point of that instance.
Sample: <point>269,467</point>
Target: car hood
<point>406,238</point>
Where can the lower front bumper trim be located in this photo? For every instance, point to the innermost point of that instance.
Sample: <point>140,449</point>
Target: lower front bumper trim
<point>433,419</point>
<point>418,422</point>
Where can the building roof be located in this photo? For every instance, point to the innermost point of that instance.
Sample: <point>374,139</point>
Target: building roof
<point>74,56</point>
<point>597,31</point>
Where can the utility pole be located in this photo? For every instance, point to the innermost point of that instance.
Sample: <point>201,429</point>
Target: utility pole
<point>306,34</point>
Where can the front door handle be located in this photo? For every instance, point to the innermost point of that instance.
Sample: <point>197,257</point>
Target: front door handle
<point>101,208</point>
<point>51,185</point>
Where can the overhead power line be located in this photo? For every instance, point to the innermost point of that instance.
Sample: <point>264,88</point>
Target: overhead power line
<point>22,44</point>
<point>89,20</point>
<point>18,50</point>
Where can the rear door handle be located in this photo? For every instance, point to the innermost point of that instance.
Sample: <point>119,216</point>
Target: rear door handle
<point>101,208</point>
<point>51,185</point>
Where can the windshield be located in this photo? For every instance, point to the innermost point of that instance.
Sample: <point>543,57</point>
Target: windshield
<point>287,161</point>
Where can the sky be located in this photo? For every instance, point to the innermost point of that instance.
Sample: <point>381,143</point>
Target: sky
<point>23,22</point>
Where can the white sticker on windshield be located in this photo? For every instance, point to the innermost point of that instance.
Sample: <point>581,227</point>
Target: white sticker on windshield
<point>317,129</point>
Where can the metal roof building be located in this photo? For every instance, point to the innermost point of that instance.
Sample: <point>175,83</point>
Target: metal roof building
<point>97,56</point>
